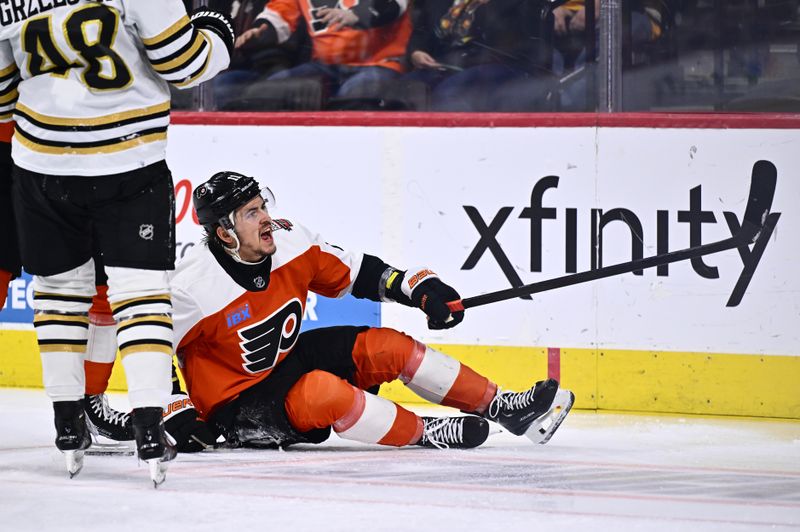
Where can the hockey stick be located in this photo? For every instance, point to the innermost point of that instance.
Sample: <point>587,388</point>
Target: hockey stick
<point>762,190</point>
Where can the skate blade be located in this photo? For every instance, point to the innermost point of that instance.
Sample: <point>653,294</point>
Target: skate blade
<point>74,461</point>
<point>111,449</point>
<point>158,471</point>
<point>543,428</point>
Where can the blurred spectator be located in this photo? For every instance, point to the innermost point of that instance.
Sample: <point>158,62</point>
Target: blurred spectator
<point>356,46</point>
<point>569,23</point>
<point>465,50</point>
<point>251,65</point>
<point>569,54</point>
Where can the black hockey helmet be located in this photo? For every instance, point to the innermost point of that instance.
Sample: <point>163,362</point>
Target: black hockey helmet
<point>222,194</point>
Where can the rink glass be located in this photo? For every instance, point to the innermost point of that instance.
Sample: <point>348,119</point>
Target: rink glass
<point>639,55</point>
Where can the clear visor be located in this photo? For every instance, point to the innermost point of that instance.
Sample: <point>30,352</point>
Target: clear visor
<point>269,198</point>
<point>269,204</point>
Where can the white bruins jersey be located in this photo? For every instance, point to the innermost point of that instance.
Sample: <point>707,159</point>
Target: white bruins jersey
<point>227,337</point>
<point>87,81</point>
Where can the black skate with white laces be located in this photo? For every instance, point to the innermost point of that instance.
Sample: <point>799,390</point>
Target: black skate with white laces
<point>111,430</point>
<point>460,432</point>
<point>536,413</point>
<point>72,433</point>
<point>152,443</point>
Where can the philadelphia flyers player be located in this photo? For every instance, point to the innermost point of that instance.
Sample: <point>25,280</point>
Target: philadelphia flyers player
<point>238,301</point>
<point>88,83</point>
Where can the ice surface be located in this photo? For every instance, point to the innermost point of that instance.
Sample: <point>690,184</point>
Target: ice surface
<point>599,472</point>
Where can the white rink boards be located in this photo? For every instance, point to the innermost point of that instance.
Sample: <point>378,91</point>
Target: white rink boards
<point>427,195</point>
<point>487,205</point>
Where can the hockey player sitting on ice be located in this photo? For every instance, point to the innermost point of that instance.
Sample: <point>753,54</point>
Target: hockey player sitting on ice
<point>238,302</point>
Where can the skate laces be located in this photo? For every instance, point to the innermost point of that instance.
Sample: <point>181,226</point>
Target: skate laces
<point>440,432</point>
<point>510,401</point>
<point>118,418</point>
<point>99,404</point>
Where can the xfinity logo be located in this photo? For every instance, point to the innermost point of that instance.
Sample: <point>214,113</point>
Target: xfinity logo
<point>536,213</point>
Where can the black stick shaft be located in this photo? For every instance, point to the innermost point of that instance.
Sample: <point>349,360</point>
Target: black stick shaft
<point>601,273</point>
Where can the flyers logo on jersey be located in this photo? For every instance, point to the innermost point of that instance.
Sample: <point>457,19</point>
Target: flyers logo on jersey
<point>264,341</point>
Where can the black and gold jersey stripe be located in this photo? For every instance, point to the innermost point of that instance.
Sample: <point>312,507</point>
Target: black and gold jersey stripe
<point>62,346</point>
<point>121,306</point>
<point>197,73</point>
<point>148,347</point>
<point>42,296</point>
<point>9,80</point>
<point>133,127</point>
<point>111,121</point>
<point>68,320</point>
<point>182,57</point>
<point>98,146</point>
<point>9,73</point>
<point>175,53</point>
<point>169,35</point>
<point>156,321</point>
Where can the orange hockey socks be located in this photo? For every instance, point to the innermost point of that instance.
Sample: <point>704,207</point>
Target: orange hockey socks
<point>320,399</point>
<point>101,349</point>
<point>382,355</point>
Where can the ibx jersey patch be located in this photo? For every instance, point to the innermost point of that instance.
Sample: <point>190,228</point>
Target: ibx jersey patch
<point>238,315</point>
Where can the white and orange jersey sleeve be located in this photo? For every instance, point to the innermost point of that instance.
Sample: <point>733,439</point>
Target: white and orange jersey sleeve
<point>336,269</point>
<point>185,313</point>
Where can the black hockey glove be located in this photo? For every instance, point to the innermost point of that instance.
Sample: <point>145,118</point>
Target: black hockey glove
<point>217,22</point>
<point>428,292</point>
<point>190,433</point>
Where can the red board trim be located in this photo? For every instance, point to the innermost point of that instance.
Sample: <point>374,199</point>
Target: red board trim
<point>488,120</point>
<point>554,363</point>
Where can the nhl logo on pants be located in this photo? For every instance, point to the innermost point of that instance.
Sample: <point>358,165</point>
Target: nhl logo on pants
<point>146,231</point>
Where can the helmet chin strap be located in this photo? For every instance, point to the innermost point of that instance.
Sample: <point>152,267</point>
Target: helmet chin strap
<point>234,252</point>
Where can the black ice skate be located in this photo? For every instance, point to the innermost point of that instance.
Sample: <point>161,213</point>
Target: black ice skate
<point>462,432</point>
<point>536,413</point>
<point>111,430</point>
<point>72,433</point>
<point>152,443</point>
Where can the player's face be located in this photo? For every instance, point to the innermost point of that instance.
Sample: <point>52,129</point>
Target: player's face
<point>253,226</point>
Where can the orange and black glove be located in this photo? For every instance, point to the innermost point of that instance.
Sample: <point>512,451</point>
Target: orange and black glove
<point>190,433</point>
<point>426,291</point>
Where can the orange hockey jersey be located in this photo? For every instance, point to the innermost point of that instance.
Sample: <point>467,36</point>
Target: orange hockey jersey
<point>376,44</point>
<point>228,338</point>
